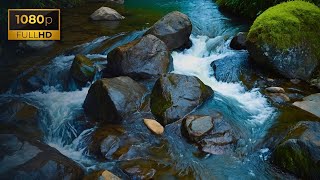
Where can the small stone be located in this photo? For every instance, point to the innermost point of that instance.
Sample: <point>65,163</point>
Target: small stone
<point>279,98</point>
<point>200,126</point>
<point>154,126</point>
<point>270,80</point>
<point>107,175</point>
<point>105,13</point>
<point>275,90</point>
<point>295,81</point>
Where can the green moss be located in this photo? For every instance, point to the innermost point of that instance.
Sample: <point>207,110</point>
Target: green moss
<point>294,158</point>
<point>171,79</point>
<point>288,25</point>
<point>82,68</point>
<point>251,8</point>
<point>205,90</point>
<point>159,102</point>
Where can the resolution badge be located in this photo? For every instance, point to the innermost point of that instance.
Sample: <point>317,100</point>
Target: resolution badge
<point>34,24</point>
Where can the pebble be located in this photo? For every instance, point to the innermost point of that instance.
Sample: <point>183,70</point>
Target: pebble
<point>154,126</point>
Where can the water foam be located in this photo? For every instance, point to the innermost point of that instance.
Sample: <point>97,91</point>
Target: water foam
<point>196,62</point>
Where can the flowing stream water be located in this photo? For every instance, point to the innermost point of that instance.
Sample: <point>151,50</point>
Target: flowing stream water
<point>61,104</point>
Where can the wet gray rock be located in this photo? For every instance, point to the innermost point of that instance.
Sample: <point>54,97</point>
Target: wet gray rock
<point>106,13</point>
<point>173,96</point>
<point>82,70</point>
<point>27,159</point>
<point>299,153</point>
<point>37,45</point>
<point>145,58</point>
<point>295,63</point>
<point>19,116</point>
<point>174,30</point>
<point>238,42</point>
<point>197,127</point>
<point>212,133</point>
<point>111,99</point>
<point>109,146</point>
<point>278,98</point>
<point>232,68</point>
<point>310,103</point>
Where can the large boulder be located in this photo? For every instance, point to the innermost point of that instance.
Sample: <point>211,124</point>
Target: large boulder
<point>105,13</point>
<point>310,103</point>
<point>212,133</point>
<point>27,159</point>
<point>174,30</point>
<point>144,58</point>
<point>82,70</point>
<point>299,153</point>
<point>173,96</point>
<point>111,99</point>
<point>286,39</point>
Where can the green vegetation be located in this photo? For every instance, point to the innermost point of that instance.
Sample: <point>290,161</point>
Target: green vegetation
<point>251,8</point>
<point>288,25</point>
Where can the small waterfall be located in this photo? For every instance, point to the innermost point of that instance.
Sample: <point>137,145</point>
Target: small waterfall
<point>251,105</point>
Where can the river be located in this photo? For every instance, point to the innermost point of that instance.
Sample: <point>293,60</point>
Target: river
<point>61,105</point>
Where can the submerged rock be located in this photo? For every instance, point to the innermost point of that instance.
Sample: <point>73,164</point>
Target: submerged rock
<point>232,68</point>
<point>239,41</point>
<point>105,13</point>
<point>145,58</point>
<point>299,153</point>
<point>174,30</point>
<point>310,103</point>
<point>82,70</point>
<point>27,159</point>
<point>287,44</point>
<point>213,134</point>
<point>154,126</point>
<point>173,96</point>
<point>111,99</point>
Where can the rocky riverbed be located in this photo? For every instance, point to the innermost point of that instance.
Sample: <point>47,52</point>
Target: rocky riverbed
<point>182,97</point>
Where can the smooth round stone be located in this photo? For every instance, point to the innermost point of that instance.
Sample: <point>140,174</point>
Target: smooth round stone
<point>200,126</point>
<point>154,126</point>
<point>107,175</point>
<point>275,90</point>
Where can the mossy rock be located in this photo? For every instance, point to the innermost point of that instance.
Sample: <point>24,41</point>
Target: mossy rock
<point>299,153</point>
<point>82,70</point>
<point>286,38</point>
<point>173,96</point>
